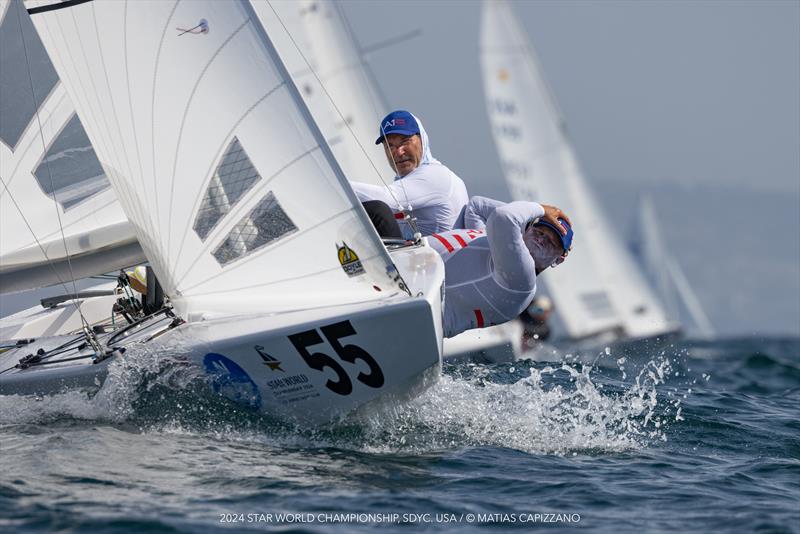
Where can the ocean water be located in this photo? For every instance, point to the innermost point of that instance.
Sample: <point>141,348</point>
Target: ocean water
<point>681,436</point>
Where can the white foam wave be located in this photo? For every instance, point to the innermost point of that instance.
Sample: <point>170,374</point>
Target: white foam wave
<point>528,415</point>
<point>560,409</point>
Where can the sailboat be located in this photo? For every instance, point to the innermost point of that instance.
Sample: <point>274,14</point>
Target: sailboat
<point>59,218</point>
<point>665,274</point>
<point>277,283</point>
<point>600,292</point>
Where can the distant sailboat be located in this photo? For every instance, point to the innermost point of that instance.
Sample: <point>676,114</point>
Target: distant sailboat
<point>279,285</point>
<point>599,290</point>
<point>665,274</point>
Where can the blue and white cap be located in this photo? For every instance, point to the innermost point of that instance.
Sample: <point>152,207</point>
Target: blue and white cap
<point>566,240</point>
<point>398,122</point>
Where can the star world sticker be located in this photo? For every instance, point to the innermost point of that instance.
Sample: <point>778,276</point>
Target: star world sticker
<point>273,363</point>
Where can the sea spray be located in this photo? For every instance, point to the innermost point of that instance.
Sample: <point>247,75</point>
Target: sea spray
<point>528,406</point>
<point>554,409</point>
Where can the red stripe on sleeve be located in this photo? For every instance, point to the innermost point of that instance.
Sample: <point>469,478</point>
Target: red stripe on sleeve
<point>444,242</point>
<point>460,240</point>
<point>479,317</point>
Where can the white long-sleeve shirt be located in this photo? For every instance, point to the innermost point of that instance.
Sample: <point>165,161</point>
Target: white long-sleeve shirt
<point>435,194</point>
<point>490,277</point>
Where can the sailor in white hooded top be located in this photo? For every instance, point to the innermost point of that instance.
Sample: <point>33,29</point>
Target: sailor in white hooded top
<point>434,194</point>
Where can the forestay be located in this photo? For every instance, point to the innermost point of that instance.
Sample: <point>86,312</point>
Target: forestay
<point>599,288</point>
<point>349,109</point>
<point>55,200</point>
<point>236,198</point>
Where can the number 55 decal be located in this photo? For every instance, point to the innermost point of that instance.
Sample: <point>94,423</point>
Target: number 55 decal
<point>348,353</point>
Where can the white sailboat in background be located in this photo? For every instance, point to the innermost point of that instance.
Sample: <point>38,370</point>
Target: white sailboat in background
<point>59,218</point>
<point>267,258</point>
<point>665,274</point>
<point>600,290</point>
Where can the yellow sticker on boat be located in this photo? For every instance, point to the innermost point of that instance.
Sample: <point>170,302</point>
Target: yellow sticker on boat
<point>349,261</point>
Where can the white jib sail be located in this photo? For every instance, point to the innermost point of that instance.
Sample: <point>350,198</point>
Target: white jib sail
<point>55,200</point>
<point>349,109</point>
<point>236,198</point>
<point>599,288</point>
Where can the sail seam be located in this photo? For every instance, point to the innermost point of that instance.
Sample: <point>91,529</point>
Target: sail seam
<point>56,6</point>
<point>212,241</point>
<point>91,82</point>
<point>160,244</point>
<point>289,279</point>
<point>183,123</point>
<point>30,229</point>
<point>113,105</point>
<point>201,191</point>
<point>146,218</point>
<point>21,159</point>
<point>272,247</point>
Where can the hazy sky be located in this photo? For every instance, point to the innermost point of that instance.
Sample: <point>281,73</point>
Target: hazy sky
<point>692,92</point>
<point>697,102</point>
<point>700,97</point>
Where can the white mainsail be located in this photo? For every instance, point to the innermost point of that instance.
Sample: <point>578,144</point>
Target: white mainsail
<point>55,201</point>
<point>234,194</point>
<point>599,288</point>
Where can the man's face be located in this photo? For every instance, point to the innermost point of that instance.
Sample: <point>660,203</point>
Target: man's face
<point>404,152</point>
<point>544,245</point>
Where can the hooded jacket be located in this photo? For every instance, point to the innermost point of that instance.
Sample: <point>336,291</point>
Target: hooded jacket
<point>436,196</point>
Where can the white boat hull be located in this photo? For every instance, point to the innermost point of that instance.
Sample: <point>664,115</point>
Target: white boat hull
<point>308,365</point>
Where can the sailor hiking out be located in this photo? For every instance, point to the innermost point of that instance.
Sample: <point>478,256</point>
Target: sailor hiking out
<point>491,267</point>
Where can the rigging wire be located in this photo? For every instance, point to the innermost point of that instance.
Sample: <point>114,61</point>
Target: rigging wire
<point>52,184</point>
<point>341,115</point>
<point>30,229</point>
<point>378,94</point>
<point>377,98</point>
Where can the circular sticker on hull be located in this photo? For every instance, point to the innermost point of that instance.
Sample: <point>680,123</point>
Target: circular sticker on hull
<point>231,381</point>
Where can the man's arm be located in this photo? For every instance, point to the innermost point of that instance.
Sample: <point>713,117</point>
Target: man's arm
<point>421,189</point>
<point>514,267</point>
<point>366,192</point>
<point>478,211</point>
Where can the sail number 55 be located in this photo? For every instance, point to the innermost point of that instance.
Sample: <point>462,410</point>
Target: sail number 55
<point>348,353</point>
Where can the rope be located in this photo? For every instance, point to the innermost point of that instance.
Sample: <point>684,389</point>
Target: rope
<point>50,176</point>
<point>338,111</point>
